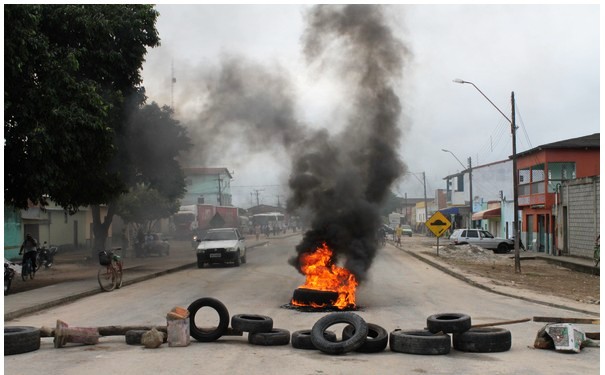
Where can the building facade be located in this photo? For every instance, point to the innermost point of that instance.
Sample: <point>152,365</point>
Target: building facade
<point>207,186</point>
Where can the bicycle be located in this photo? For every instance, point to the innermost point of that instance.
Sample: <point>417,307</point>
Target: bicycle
<point>27,269</point>
<point>110,270</point>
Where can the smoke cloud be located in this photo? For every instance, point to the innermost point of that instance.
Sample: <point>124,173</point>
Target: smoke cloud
<point>343,179</point>
<point>338,180</point>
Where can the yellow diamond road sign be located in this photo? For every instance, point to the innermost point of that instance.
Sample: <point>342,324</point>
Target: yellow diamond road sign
<point>438,224</point>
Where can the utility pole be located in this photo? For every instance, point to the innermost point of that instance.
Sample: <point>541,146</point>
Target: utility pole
<point>470,188</point>
<point>220,193</point>
<point>172,82</point>
<point>426,208</point>
<point>257,191</point>
<point>513,129</point>
<point>278,202</point>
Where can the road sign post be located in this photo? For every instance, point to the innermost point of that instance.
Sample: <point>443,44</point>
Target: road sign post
<point>438,224</point>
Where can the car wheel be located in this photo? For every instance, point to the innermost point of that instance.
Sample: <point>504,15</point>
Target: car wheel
<point>208,334</point>
<point>448,323</point>
<point>237,261</point>
<point>503,248</point>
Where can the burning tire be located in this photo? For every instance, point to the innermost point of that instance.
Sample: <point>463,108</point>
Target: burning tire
<point>375,342</point>
<point>251,323</point>
<point>344,346</point>
<point>302,339</point>
<point>277,336</point>
<point>483,340</point>
<point>448,323</point>
<point>311,297</point>
<point>21,339</point>
<point>420,342</point>
<point>208,334</point>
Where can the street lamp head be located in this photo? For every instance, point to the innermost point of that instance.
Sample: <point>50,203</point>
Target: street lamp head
<point>444,150</point>
<point>458,80</point>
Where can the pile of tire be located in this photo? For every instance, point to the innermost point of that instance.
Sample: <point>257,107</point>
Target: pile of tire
<point>435,339</point>
<point>357,335</point>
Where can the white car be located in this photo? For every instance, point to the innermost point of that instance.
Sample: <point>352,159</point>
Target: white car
<point>483,239</point>
<point>224,245</point>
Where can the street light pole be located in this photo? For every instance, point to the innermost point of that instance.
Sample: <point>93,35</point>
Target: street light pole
<point>470,185</point>
<point>513,129</point>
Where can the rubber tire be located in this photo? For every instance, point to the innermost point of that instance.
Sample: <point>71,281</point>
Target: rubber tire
<point>420,342</point>
<point>21,339</point>
<point>344,346</point>
<point>302,339</point>
<point>502,249</point>
<point>277,336</point>
<point>448,323</point>
<point>375,342</point>
<point>483,340</point>
<point>205,335</point>
<point>251,323</point>
<point>319,297</point>
<point>200,264</point>
<point>237,261</point>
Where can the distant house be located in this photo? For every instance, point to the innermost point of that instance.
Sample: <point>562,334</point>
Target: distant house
<point>541,172</point>
<point>207,186</point>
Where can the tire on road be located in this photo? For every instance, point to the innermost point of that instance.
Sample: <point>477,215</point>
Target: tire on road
<point>313,296</point>
<point>344,346</point>
<point>208,334</point>
<point>277,336</point>
<point>483,340</point>
<point>302,339</point>
<point>251,323</point>
<point>420,342</point>
<point>21,339</point>
<point>375,342</point>
<point>448,323</point>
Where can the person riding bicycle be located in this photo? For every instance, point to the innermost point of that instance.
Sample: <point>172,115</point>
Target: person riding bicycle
<point>29,246</point>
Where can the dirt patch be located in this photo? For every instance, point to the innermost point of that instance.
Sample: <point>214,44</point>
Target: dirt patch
<point>58,273</point>
<point>536,275</point>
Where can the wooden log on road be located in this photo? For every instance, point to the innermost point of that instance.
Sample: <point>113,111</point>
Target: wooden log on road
<point>549,319</point>
<point>501,323</point>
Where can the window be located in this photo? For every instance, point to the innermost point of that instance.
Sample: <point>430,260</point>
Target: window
<point>472,234</point>
<point>559,172</point>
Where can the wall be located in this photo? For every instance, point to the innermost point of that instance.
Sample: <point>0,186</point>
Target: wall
<point>581,199</point>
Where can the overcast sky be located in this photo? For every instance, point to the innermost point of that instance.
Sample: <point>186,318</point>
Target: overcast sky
<point>547,54</point>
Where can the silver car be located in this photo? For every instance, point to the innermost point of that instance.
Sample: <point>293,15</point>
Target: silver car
<point>225,245</point>
<point>483,239</point>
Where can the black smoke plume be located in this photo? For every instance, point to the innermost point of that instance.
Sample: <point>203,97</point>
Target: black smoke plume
<point>343,179</point>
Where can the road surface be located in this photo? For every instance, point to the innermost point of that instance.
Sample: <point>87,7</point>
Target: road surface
<point>400,292</point>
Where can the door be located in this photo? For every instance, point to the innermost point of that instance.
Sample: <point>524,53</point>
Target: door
<point>541,233</point>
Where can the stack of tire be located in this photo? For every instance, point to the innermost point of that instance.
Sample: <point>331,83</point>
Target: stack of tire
<point>435,339</point>
<point>259,327</point>
<point>357,336</point>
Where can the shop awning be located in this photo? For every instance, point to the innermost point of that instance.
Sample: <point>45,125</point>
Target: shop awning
<point>450,211</point>
<point>487,214</point>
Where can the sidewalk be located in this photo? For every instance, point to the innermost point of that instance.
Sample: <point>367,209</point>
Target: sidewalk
<point>182,256</point>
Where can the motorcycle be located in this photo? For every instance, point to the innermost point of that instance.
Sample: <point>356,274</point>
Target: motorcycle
<point>9,275</point>
<point>46,256</point>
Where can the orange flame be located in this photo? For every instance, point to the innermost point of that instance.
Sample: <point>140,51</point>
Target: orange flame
<point>322,274</point>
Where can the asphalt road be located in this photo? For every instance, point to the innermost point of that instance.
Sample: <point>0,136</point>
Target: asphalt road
<point>401,292</point>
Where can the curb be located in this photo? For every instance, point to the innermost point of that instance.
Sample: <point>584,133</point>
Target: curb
<point>483,287</point>
<point>60,301</point>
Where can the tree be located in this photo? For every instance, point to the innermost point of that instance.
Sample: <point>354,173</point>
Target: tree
<point>68,71</point>
<point>144,206</point>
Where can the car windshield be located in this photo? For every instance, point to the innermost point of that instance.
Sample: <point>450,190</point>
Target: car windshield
<point>407,227</point>
<point>486,234</point>
<point>220,235</point>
